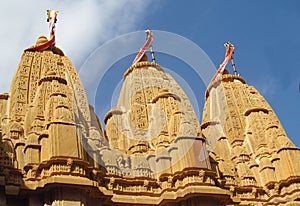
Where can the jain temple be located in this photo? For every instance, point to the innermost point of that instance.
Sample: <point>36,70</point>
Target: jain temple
<point>152,149</point>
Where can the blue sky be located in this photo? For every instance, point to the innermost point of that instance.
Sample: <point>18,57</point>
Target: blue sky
<point>265,35</point>
<point>266,38</point>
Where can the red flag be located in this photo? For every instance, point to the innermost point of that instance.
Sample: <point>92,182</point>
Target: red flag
<point>52,14</point>
<point>228,56</point>
<point>145,47</point>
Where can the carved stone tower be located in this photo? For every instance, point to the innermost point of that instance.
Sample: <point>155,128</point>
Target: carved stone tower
<point>256,160</point>
<point>43,120</point>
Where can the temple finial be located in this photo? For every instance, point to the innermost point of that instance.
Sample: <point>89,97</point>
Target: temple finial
<point>151,46</point>
<point>228,45</point>
<point>233,66</point>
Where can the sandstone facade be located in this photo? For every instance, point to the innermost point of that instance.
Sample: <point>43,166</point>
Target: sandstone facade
<point>152,150</point>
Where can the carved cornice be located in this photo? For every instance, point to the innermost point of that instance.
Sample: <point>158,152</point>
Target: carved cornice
<point>4,96</point>
<point>112,112</point>
<point>142,65</point>
<point>225,78</point>
<point>51,78</point>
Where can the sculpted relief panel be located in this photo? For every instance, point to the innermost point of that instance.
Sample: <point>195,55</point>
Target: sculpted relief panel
<point>152,110</point>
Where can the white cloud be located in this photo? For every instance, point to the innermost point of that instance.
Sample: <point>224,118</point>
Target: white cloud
<point>81,26</point>
<point>267,86</point>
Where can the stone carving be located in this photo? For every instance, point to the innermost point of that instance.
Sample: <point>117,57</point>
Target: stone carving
<point>153,149</point>
<point>253,133</point>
